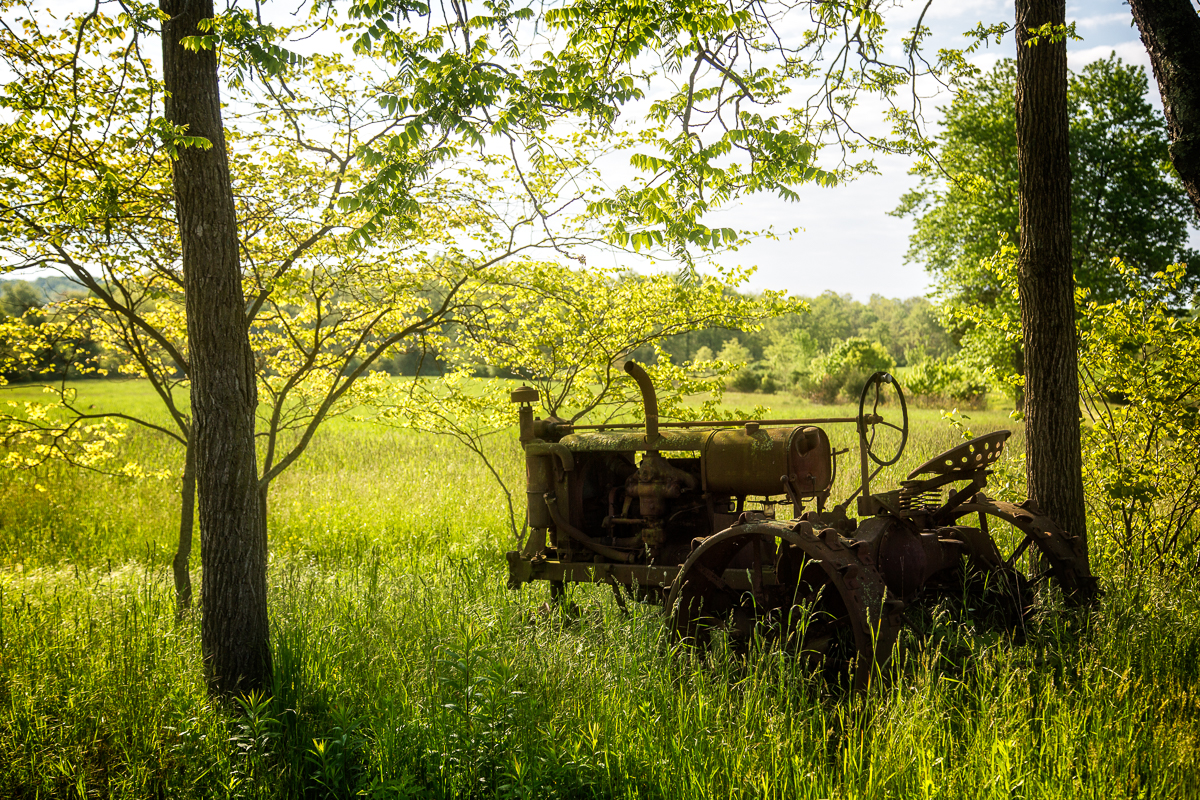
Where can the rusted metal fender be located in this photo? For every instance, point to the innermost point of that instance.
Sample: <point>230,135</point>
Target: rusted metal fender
<point>875,619</point>
<point>1068,562</point>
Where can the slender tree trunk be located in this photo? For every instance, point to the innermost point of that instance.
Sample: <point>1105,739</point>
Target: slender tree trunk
<point>1018,363</point>
<point>234,635</point>
<point>187,522</point>
<point>1171,32</point>
<point>1045,282</point>
<point>262,504</point>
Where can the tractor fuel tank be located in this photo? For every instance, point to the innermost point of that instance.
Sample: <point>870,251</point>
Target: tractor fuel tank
<point>750,460</point>
<point>767,461</point>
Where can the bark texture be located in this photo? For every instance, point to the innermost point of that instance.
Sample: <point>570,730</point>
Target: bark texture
<point>233,550</point>
<point>1171,32</point>
<point>1045,281</point>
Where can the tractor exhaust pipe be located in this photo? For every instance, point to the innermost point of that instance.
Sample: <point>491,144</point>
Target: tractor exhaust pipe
<point>649,398</point>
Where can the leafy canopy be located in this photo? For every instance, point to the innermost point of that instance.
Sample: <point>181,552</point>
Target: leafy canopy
<point>1126,200</point>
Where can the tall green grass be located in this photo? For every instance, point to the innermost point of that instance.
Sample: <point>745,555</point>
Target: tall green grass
<point>404,668</point>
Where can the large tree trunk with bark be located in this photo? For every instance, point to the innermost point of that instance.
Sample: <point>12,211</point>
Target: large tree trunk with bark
<point>1045,282</point>
<point>1171,32</point>
<point>233,549</point>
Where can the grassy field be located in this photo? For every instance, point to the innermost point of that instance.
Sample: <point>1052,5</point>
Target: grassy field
<point>404,668</point>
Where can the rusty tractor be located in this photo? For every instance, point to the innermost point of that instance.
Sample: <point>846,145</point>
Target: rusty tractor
<point>685,513</point>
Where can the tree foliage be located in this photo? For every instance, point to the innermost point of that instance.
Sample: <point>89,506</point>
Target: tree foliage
<point>1141,379</point>
<point>1126,200</point>
<point>845,368</point>
<point>718,82</point>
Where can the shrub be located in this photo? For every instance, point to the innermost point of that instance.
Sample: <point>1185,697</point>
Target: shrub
<point>1140,376</point>
<point>787,359</point>
<point>746,380</point>
<point>845,369</point>
<point>939,380</point>
<point>734,352</point>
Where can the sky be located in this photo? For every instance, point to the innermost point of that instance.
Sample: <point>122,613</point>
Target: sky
<point>849,244</point>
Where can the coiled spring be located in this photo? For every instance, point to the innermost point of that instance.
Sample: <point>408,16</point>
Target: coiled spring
<point>913,499</point>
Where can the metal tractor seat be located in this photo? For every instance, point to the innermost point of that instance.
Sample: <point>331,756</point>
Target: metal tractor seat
<point>968,461</point>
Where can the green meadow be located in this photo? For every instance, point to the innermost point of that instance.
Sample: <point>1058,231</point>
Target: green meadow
<point>405,668</point>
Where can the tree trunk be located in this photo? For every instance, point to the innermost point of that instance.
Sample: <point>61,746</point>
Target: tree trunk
<point>1018,363</point>
<point>187,521</point>
<point>1044,279</point>
<point>263,488</point>
<point>1171,32</point>
<point>234,636</point>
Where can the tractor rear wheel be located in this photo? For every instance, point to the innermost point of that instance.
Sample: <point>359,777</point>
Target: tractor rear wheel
<point>782,584</point>
<point>1061,554</point>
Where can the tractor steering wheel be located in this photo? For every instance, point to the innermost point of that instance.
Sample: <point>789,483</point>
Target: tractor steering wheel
<point>874,390</point>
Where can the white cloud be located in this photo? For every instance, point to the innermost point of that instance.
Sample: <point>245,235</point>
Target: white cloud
<point>1101,20</point>
<point>1131,52</point>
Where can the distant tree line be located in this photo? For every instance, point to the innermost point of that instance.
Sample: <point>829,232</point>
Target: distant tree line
<point>829,351</point>
<point>824,353</point>
<point>33,302</point>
